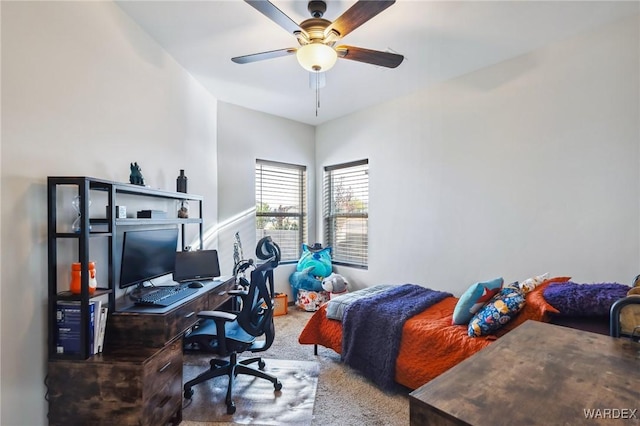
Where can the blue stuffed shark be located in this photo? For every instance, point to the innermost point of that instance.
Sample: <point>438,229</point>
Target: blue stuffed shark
<point>304,280</point>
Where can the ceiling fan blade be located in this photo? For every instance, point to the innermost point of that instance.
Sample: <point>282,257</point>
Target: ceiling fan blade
<point>357,15</point>
<point>375,57</point>
<point>269,10</point>
<point>263,55</point>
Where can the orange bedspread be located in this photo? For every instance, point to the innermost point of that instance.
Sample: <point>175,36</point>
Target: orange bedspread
<point>430,345</point>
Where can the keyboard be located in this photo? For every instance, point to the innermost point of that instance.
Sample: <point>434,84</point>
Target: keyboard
<point>166,296</point>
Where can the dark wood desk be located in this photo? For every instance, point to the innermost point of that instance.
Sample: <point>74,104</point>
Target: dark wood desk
<point>138,378</point>
<point>538,374</point>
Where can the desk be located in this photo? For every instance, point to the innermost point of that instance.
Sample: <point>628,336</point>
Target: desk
<point>538,374</point>
<point>153,327</point>
<point>138,378</point>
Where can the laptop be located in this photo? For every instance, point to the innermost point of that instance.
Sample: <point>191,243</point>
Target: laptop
<point>196,265</point>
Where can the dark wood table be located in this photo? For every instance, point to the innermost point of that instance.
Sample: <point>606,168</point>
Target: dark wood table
<point>538,374</point>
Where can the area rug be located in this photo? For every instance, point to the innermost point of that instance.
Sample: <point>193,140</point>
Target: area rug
<point>257,403</point>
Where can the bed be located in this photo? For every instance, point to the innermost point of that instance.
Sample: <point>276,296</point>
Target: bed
<point>429,344</point>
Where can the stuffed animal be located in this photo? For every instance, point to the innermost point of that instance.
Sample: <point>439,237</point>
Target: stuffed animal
<point>318,258</point>
<point>304,280</point>
<point>335,284</point>
<point>313,266</point>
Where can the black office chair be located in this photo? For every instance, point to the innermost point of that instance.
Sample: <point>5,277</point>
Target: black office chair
<point>228,334</point>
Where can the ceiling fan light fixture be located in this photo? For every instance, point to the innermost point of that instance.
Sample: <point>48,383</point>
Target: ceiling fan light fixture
<point>316,57</point>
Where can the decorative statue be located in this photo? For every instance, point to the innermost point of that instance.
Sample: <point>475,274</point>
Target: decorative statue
<point>136,177</point>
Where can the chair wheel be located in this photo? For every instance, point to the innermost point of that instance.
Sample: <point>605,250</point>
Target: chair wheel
<point>231,408</point>
<point>261,364</point>
<point>188,393</point>
<point>277,385</point>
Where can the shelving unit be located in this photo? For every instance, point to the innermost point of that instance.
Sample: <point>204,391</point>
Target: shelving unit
<point>98,228</point>
<point>137,379</point>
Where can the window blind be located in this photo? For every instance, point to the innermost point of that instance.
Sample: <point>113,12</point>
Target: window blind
<point>346,212</point>
<point>281,200</point>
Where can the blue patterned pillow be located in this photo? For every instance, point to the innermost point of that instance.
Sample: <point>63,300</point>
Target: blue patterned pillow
<point>497,312</point>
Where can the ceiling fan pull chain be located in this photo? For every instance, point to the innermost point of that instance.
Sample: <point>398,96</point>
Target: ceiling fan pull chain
<point>317,70</point>
<point>317,37</point>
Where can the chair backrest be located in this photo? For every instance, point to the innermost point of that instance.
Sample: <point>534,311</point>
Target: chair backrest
<point>256,315</point>
<point>625,317</point>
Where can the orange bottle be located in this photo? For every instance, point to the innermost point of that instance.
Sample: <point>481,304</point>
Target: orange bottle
<point>76,274</point>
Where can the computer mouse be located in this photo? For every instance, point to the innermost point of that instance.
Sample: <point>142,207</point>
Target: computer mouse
<point>195,284</point>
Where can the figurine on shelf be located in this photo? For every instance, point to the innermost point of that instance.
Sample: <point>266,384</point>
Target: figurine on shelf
<point>136,177</point>
<point>183,209</point>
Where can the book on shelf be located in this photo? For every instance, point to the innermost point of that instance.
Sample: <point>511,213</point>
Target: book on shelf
<point>102,325</point>
<point>96,324</point>
<point>69,326</point>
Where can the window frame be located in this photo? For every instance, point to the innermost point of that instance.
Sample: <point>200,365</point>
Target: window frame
<point>330,216</point>
<point>260,164</point>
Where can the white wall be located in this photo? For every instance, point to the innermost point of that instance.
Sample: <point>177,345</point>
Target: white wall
<point>84,92</point>
<point>243,136</point>
<point>528,166</point>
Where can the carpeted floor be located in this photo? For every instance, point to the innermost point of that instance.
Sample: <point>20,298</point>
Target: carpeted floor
<point>343,397</point>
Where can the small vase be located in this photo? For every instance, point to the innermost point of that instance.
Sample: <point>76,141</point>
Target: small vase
<point>181,182</point>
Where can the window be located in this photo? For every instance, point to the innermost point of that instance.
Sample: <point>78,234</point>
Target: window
<point>346,212</point>
<point>281,199</point>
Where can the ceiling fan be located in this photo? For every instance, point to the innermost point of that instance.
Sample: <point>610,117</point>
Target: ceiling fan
<point>317,37</point>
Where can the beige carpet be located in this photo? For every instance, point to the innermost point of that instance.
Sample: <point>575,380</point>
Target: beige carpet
<point>343,397</point>
<point>257,403</point>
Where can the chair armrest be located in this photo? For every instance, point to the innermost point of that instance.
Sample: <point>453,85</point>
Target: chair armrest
<point>241,293</point>
<point>220,315</point>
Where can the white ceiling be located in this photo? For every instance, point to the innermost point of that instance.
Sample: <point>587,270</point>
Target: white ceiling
<point>439,39</point>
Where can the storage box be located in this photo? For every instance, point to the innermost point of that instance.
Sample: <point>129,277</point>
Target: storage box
<point>311,301</point>
<point>280,304</point>
<point>151,214</point>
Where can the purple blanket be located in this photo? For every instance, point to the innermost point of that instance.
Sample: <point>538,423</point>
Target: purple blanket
<point>372,329</point>
<point>588,300</point>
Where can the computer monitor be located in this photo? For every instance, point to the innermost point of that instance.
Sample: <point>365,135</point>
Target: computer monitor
<point>147,254</point>
<point>196,265</point>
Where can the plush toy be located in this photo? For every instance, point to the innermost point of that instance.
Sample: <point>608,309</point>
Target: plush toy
<point>335,284</point>
<point>304,280</point>
<point>319,259</point>
<point>313,266</point>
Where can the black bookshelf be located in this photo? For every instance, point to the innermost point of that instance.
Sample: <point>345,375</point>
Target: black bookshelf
<point>98,228</point>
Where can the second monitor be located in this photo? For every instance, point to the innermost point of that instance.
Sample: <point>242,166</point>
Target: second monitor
<point>196,265</point>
